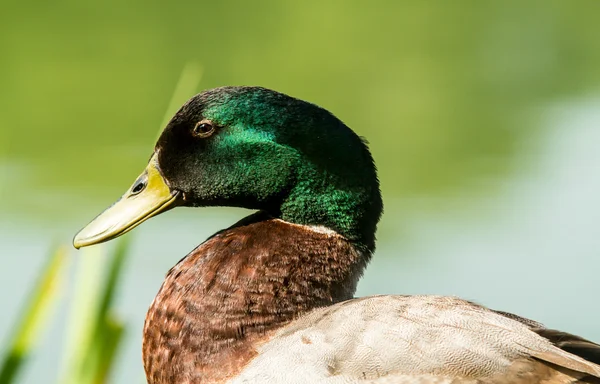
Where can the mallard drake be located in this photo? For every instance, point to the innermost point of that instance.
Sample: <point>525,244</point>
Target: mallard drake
<point>270,299</point>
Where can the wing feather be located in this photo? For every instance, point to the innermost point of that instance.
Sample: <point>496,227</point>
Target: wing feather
<point>426,339</point>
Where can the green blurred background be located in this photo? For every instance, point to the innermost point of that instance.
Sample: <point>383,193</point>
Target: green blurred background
<point>483,117</point>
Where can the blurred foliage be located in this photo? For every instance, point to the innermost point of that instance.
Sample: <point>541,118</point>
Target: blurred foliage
<point>35,316</point>
<point>438,88</point>
<point>94,332</point>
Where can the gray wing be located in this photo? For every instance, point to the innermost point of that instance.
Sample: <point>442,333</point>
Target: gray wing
<point>418,339</point>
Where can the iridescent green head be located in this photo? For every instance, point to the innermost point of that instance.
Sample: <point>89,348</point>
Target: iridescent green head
<point>259,149</point>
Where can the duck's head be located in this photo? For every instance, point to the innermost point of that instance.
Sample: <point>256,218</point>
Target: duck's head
<point>259,149</point>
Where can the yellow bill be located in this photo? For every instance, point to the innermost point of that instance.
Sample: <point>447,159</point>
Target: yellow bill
<point>148,196</point>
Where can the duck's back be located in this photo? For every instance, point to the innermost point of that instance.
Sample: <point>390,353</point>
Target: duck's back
<point>420,339</point>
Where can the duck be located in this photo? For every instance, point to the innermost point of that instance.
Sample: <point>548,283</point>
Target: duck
<point>271,298</point>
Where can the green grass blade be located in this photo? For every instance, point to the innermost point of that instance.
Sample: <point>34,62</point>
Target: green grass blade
<point>186,86</point>
<point>108,329</point>
<point>112,334</point>
<point>35,316</point>
<point>95,332</point>
<point>83,312</point>
<point>112,279</point>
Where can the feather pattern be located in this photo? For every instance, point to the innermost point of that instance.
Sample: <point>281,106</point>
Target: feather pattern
<point>416,339</point>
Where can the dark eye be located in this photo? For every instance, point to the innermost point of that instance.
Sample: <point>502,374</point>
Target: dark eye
<point>203,128</point>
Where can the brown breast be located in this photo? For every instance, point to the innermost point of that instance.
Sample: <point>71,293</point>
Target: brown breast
<point>229,294</point>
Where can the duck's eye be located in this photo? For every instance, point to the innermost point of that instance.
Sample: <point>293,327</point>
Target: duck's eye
<point>203,128</point>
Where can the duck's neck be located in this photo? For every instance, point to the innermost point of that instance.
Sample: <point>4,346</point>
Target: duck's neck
<point>344,205</point>
<point>236,289</point>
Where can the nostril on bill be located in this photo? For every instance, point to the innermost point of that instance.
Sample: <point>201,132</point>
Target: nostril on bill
<point>139,185</point>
